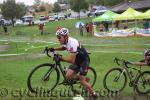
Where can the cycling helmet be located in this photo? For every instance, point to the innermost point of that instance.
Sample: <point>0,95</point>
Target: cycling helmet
<point>62,32</point>
<point>147,53</point>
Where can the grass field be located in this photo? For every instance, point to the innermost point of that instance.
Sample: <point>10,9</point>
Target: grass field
<point>14,69</point>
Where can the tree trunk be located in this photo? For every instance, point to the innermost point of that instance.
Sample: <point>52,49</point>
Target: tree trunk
<point>79,15</point>
<point>12,19</point>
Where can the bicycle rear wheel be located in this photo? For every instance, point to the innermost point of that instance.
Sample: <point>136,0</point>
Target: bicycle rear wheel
<point>91,76</point>
<point>43,78</point>
<point>142,83</point>
<point>115,80</point>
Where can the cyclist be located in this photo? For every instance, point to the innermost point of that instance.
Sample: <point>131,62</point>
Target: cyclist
<point>79,58</point>
<point>144,62</point>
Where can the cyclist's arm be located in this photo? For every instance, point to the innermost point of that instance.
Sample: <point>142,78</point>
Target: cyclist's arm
<point>70,59</point>
<point>60,48</point>
<point>139,63</point>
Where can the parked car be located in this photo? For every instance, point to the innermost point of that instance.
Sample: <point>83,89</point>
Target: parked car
<point>51,18</point>
<point>59,17</point>
<point>18,22</point>
<point>42,18</point>
<point>28,18</point>
<point>6,22</point>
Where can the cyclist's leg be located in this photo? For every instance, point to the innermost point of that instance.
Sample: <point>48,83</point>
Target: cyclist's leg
<point>83,78</point>
<point>71,72</point>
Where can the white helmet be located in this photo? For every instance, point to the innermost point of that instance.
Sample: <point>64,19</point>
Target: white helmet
<point>147,53</point>
<point>62,31</point>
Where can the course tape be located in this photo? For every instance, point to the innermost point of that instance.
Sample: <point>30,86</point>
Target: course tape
<point>58,43</point>
<point>53,43</point>
<point>2,55</point>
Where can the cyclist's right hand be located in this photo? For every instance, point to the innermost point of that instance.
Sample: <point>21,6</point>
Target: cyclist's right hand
<point>51,49</point>
<point>128,62</point>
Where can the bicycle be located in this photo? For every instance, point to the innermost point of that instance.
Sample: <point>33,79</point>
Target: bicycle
<point>49,74</point>
<point>116,78</point>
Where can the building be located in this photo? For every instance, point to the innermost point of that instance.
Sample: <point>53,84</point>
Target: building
<point>141,5</point>
<point>63,1</point>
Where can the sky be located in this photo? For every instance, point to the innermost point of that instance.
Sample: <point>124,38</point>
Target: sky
<point>30,2</point>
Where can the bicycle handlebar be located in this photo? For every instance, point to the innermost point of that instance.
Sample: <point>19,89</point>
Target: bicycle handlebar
<point>117,60</point>
<point>53,54</point>
<point>46,50</point>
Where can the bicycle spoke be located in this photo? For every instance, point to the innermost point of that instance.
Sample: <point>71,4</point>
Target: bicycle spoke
<point>115,80</point>
<point>143,84</point>
<point>43,77</point>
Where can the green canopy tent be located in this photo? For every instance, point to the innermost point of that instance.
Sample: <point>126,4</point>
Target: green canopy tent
<point>145,15</point>
<point>107,16</point>
<point>129,14</point>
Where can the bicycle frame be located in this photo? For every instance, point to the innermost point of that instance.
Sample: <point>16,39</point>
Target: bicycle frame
<point>56,63</point>
<point>126,68</point>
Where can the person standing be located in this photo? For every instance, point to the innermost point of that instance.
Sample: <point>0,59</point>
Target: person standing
<point>81,29</point>
<point>5,28</point>
<point>146,24</point>
<point>90,28</point>
<point>106,25</point>
<point>41,28</point>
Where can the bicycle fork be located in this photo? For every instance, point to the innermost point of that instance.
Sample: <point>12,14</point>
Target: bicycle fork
<point>119,75</point>
<point>47,74</point>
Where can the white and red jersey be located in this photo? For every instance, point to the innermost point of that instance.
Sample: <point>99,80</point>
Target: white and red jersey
<point>72,45</point>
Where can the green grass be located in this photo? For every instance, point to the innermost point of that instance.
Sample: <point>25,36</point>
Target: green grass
<point>15,69</point>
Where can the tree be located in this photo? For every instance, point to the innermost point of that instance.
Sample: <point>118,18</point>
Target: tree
<point>78,5</point>
<point>56,8</point>
<point>11,10</point>
<point>49,7</point>
<point>42,8</point>
<point>21,9</point>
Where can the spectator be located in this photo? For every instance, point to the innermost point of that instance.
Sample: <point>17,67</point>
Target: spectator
<point>90,28</point>
<point>87,27</point>
<point>106,25</point>
<point>117,24</point>
<point>101,27</point>
<point>41,28</point>
<point>5,28</point>
<point>125,26</point>
<point>146,24</point>
<point>81,29</point>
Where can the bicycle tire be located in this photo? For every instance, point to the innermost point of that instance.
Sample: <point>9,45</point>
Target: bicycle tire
<point>105,82</point>
<point>34,89</point>
<point>141,76</point>
<point>94,76</point>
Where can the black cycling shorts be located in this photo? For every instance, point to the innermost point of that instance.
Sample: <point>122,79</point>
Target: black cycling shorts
<point>82,67</point>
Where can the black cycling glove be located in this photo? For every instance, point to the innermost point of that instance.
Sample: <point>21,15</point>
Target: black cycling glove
<point>51,49</point>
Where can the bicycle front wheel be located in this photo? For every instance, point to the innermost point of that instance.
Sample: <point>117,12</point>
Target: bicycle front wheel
<point>143,83</point>
<point>43,78</point>
<point>115,80</point>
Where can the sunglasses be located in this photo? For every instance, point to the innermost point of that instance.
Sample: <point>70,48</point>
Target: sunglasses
<point>58,37</point>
